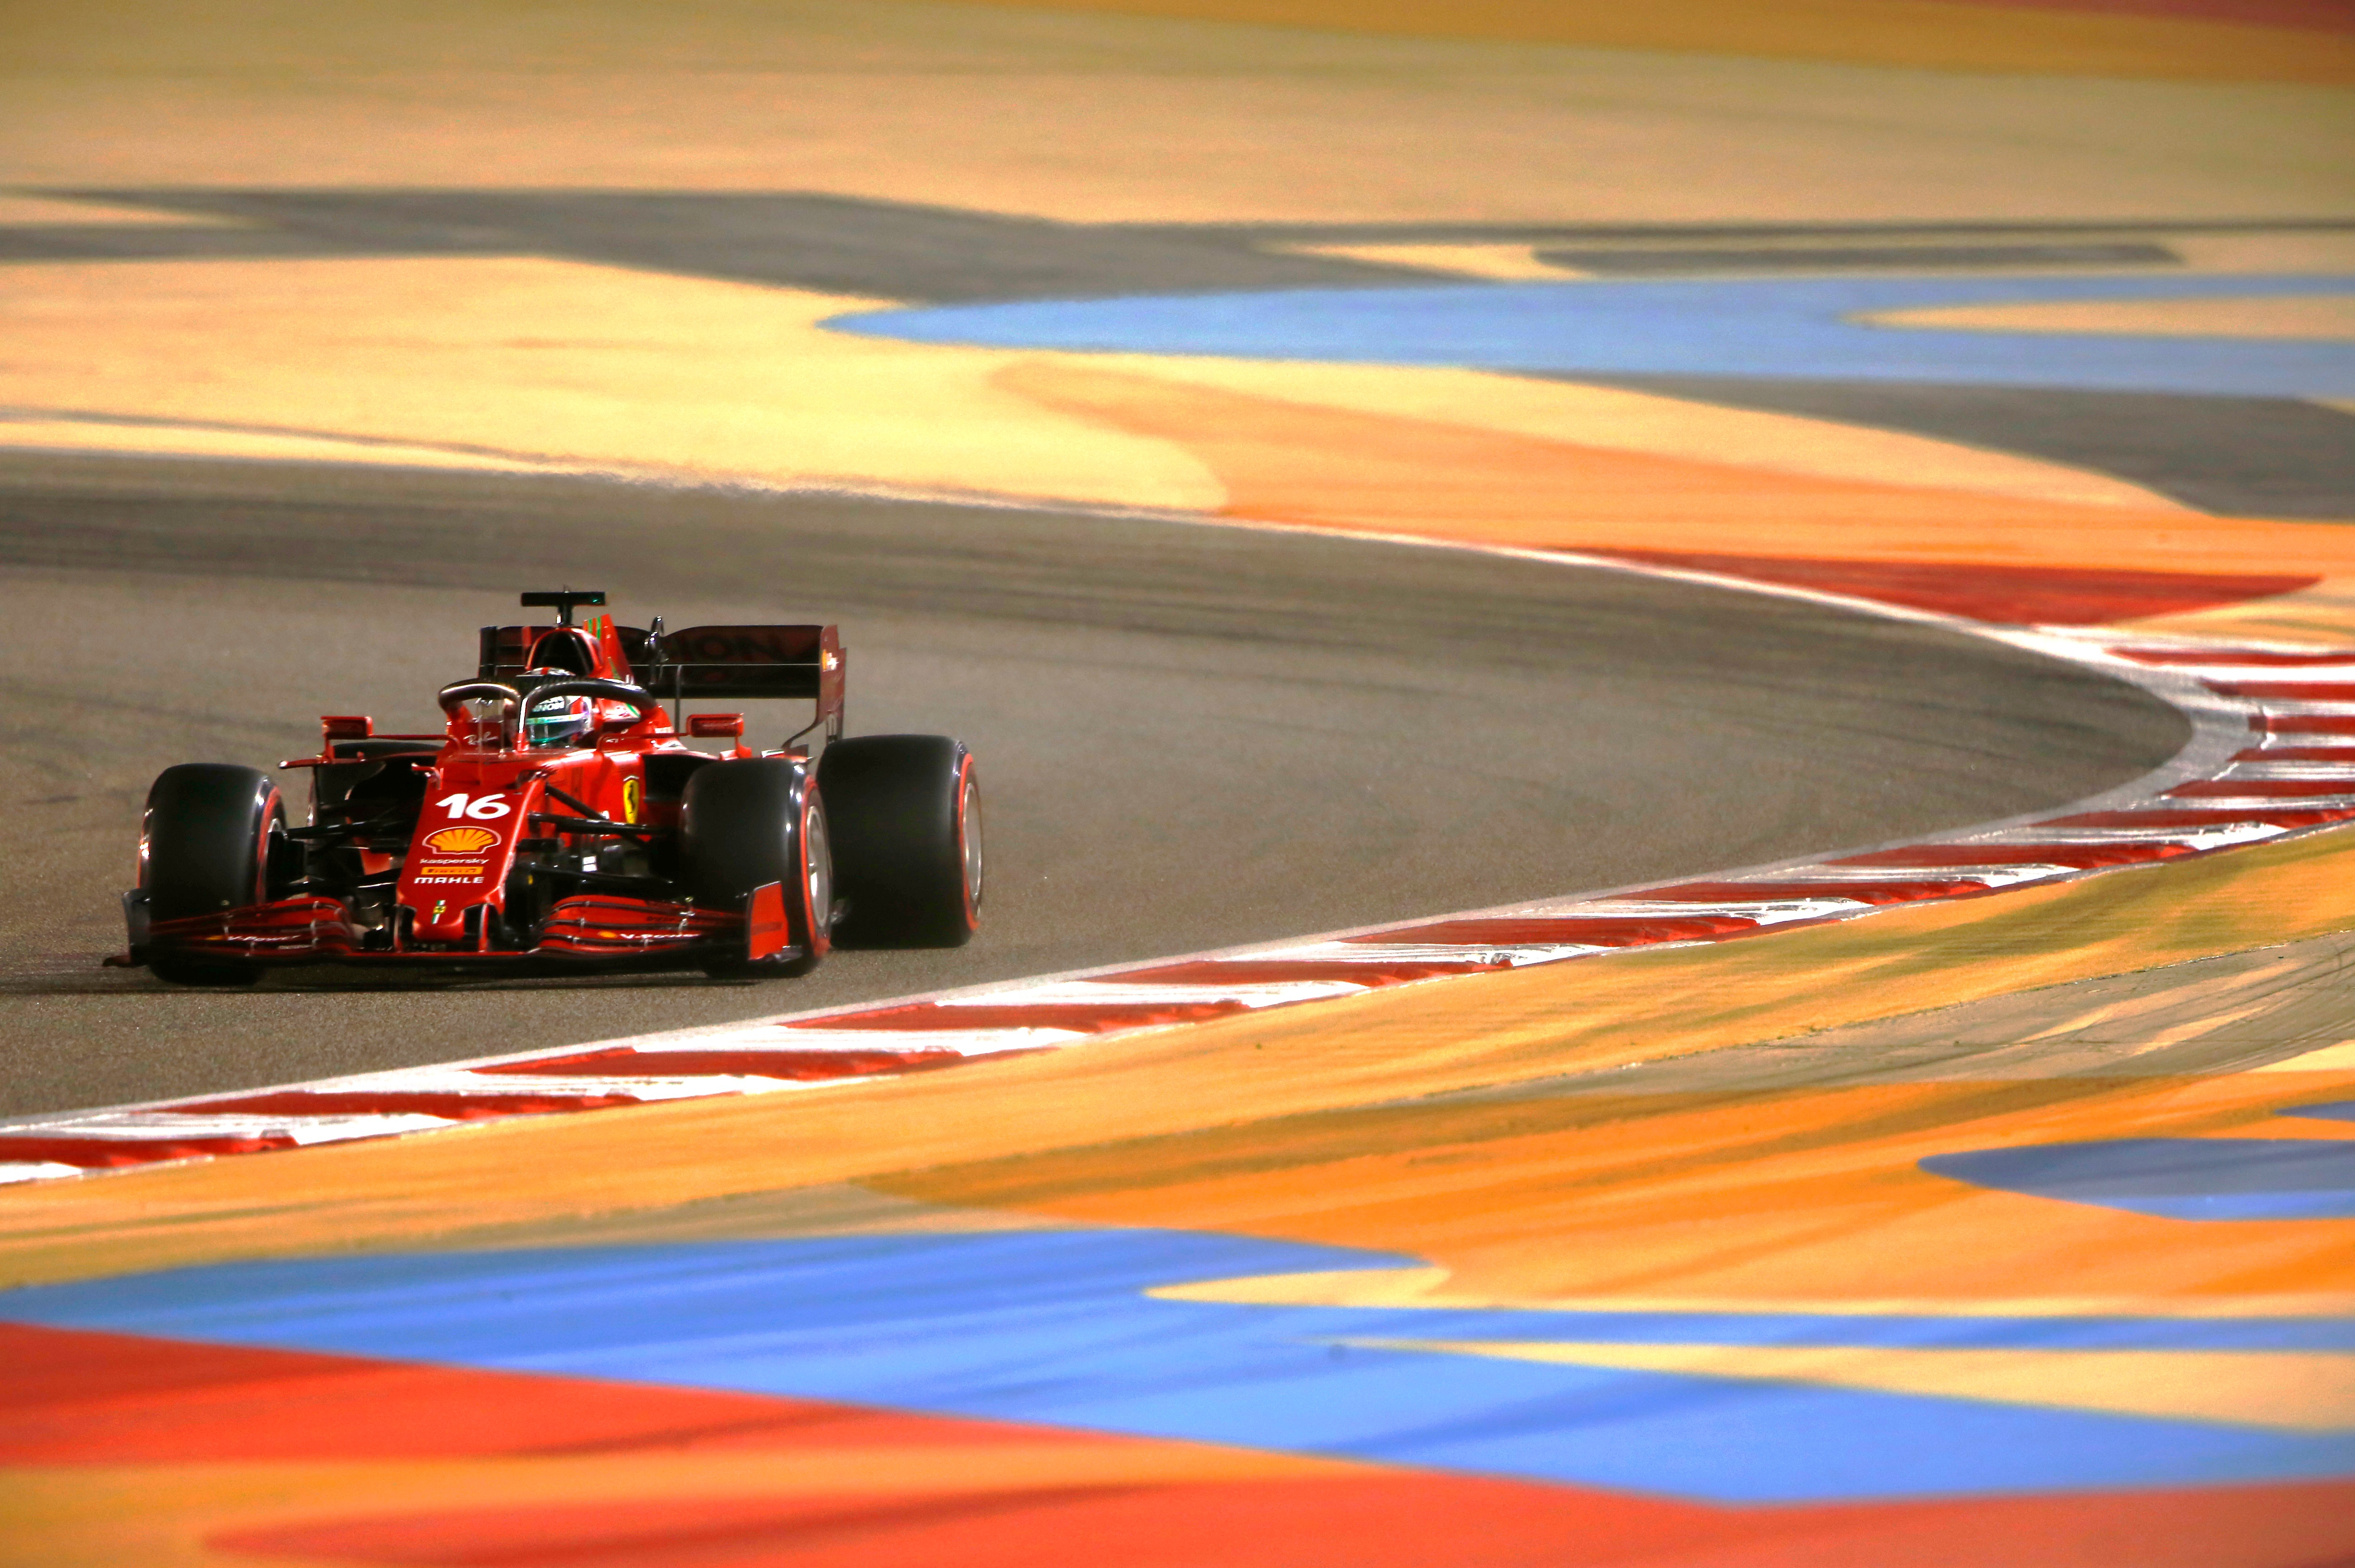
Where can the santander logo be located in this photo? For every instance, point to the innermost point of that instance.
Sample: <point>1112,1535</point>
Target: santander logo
<point>461,840</point>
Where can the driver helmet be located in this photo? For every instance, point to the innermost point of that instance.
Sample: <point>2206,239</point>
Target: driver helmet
<point>559,721</point>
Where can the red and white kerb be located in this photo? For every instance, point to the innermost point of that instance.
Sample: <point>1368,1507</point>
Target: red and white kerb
<point>2274,754</point>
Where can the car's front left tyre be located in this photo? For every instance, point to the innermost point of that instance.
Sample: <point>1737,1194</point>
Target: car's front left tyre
<point>743,825</point>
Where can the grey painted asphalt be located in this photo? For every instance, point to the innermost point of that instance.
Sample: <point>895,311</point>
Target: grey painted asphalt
<point>1191,735</point>
<point>2252,457</point>
<point>836,244</point>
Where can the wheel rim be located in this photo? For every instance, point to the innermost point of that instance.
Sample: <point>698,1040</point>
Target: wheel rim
<point>817,859</point>
<point>273,832</point>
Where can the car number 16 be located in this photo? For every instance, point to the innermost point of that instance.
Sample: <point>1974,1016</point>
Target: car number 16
<point>488,808</point>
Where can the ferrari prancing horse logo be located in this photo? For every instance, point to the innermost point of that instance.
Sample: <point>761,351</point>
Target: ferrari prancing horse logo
<point>629,800</point>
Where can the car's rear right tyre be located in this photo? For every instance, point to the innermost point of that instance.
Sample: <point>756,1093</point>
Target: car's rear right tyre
<point>204,848</point>
<point>906,813</point>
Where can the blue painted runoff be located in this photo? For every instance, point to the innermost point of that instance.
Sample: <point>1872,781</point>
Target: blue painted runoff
<point>1056,1328</point>
<point>2174,1178</point>
<point>2337,1110</point>
<point>1783,327</point>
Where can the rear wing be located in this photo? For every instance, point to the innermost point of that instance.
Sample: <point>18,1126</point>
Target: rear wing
<point>700,664</point>
<point>730,662</point>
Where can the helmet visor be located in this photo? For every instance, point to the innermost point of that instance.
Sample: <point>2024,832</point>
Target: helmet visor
<point>557,721</point>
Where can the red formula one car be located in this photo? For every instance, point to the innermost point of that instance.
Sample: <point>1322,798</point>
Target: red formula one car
<point>561,821</point>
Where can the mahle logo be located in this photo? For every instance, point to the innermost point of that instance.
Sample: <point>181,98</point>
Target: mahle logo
<point>461,840</point>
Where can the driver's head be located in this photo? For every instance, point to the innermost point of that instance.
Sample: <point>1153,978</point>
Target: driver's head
<point>556,722</point>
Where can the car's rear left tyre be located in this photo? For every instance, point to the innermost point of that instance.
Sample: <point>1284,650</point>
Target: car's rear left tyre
<point>204,848</point>
<point>907,839</point>
<point>743,825</point>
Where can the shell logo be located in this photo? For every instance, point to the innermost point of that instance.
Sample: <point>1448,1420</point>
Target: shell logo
<point>461,840</point>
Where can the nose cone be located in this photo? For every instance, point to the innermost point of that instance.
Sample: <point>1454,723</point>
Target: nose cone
<point>458,861</point>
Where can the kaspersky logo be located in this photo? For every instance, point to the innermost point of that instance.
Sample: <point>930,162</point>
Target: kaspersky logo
<point>461,840</point>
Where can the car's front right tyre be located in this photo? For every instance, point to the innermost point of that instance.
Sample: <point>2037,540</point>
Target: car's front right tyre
<point>204,848</point>
<point>743,825</point>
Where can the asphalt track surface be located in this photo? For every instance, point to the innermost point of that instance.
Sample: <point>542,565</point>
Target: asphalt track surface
<point>1190,736</point>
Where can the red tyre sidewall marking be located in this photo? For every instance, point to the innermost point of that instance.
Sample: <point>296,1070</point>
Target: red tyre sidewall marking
<point>817,938</point>
<point>966,783</point>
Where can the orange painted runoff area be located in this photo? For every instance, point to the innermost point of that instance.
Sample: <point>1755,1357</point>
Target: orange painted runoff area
<point>1105,1103</point>
<point>1753,1199</point>
<point>2206,40</point>
<point>1319,466</point>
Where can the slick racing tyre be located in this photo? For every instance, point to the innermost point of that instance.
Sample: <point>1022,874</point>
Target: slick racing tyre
<point>743,825</point>
<point>907,839</point>
<point>205,847</point>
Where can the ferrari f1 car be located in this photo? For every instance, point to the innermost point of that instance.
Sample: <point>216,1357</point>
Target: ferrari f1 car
<point>559,821</point>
